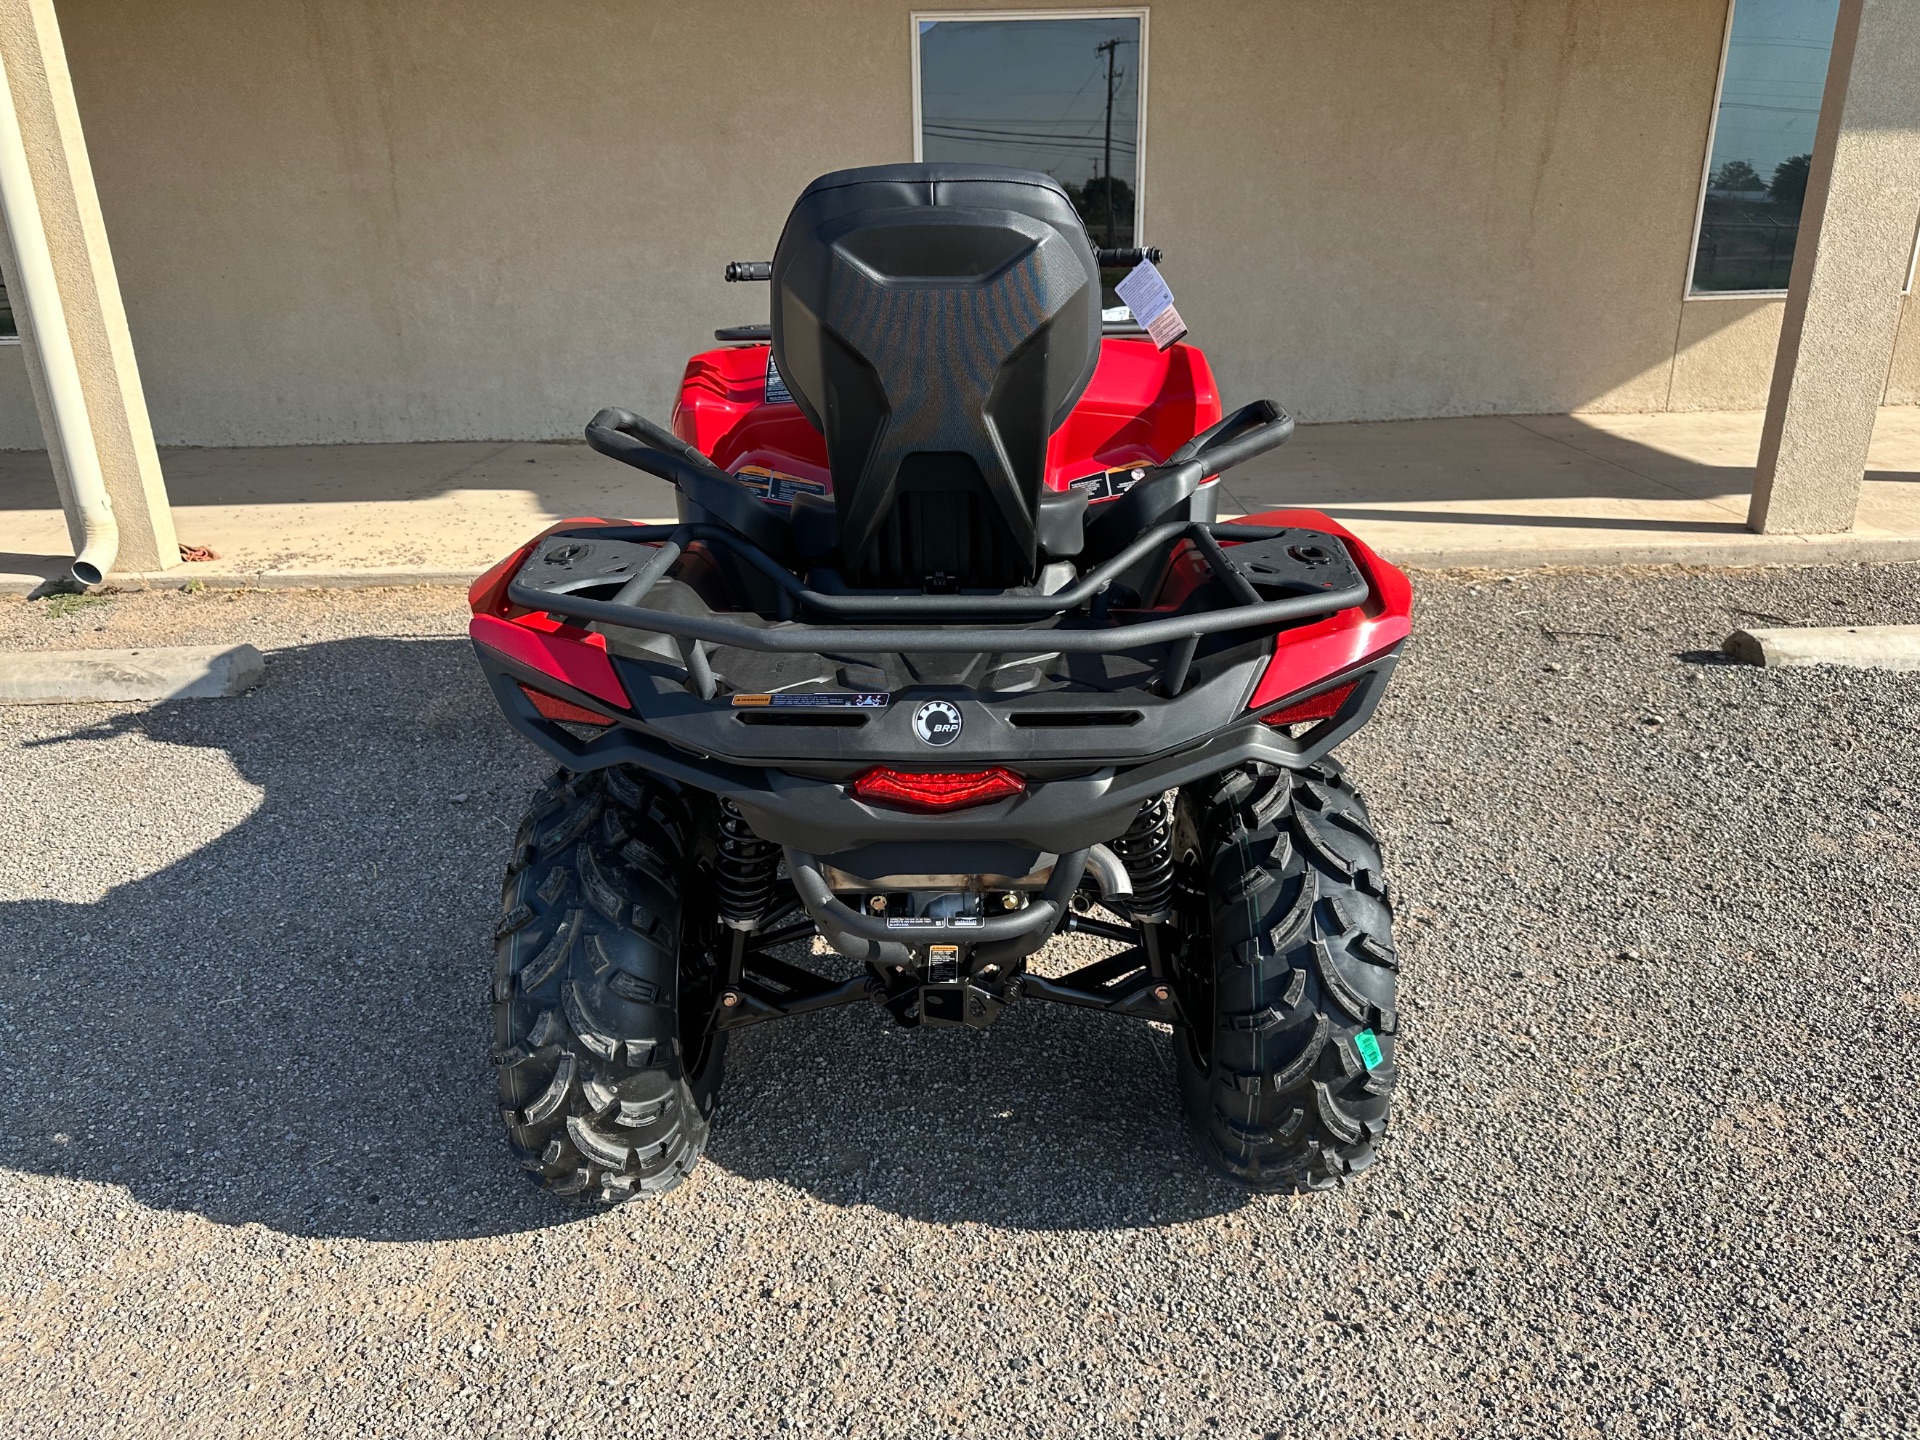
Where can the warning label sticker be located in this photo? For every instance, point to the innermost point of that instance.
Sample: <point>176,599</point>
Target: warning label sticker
<point>1110,484</point>
<point>777,392</point>
<point>774,486</point>
<point>820,700</point>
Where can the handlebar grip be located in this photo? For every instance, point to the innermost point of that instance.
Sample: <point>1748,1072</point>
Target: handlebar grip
<point>1127,255</point>
<point>738,270</point>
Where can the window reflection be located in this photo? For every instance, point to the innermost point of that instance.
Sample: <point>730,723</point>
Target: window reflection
<point>1776,72</point>
<point>1061,96</point>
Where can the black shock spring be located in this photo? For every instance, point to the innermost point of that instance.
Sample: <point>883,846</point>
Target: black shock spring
<point>1147,852</point>
<point>743,870</point>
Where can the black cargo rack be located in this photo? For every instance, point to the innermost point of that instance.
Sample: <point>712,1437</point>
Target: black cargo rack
<point>1314,564</point>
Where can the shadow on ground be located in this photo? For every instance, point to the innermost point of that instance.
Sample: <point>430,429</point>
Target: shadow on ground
<point>288,1026</point>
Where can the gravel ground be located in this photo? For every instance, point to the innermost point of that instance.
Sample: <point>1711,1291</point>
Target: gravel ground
<point>1653,1169</point>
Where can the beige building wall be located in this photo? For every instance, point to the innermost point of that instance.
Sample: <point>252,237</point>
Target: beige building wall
<point>349,220</point>
<point>1903,380</point>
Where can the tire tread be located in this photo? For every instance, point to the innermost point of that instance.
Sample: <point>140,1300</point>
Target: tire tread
<point>593,1085</point>
<point>1304,961</point>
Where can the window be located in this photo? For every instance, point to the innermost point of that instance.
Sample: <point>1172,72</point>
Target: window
<point>1772,77</point>
<point>9,331</point>
<point>1056,90</point>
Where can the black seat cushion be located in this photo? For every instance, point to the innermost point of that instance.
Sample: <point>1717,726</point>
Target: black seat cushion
<point>936,322</point>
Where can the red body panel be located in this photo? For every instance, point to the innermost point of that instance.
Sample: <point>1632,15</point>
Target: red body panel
<point>488,594</point>
<point>1141,405</point>
<point>573,657</point>
<point>1314,653</point>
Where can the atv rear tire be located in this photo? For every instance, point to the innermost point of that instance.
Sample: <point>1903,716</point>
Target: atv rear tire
<point>604,1092</point>
<point>1288,976</point>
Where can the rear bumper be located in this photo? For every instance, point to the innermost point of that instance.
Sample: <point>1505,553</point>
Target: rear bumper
<point>815,813</point>
<point>652,682</point>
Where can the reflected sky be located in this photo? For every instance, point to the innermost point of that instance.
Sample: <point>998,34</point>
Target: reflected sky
<point>1031,93</point>
<point>1776,73</point>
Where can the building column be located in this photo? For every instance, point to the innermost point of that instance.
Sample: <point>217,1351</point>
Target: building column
<point>1843,301</point>
<point>90,311</point>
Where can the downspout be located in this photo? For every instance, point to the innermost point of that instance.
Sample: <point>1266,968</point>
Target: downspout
<point>47,331</point>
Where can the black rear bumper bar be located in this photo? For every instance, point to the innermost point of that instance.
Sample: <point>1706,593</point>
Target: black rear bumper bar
<point>816,814</point>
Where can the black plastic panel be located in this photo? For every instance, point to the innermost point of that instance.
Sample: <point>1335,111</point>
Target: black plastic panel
<point>1295,562</point>
<point>563,564</point>
<point>936,323</point>
<point>1084,806</point>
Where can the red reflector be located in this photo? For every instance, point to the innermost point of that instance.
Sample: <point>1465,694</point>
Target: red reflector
<point>937,791</point>
<point>554,708</point>
<point>1323,706</point>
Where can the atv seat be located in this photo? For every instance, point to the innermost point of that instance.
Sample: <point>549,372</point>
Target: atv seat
<point>937,323</point>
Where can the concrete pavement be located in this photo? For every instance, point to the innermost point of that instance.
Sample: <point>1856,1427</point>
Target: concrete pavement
<point>1529,490</point>
<point>1651,1172</point>
<point>1502,491</point>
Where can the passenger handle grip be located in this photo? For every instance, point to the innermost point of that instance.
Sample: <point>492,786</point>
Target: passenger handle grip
<point>1148,503</point>
<point>1249,431</point>
<point>632,440</point>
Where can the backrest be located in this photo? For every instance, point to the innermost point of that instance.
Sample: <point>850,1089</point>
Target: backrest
<point>936,323</point>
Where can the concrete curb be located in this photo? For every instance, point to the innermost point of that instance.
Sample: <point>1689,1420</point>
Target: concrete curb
<point>1709,554</point>
<point>1727,554</point>
<point>179,672</point>
<point>265,579</point>
<point>1858,647</point>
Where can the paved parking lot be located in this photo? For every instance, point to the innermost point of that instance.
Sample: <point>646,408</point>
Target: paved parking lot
<point>1653,1169</point>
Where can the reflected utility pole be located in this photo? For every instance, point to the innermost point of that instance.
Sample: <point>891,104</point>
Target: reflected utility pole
<point>1109,48</point>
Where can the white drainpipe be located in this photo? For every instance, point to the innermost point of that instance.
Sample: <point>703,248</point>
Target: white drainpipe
<point>46,330</point>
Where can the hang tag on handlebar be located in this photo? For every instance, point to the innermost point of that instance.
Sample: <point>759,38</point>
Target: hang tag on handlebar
<point>1149,297</point>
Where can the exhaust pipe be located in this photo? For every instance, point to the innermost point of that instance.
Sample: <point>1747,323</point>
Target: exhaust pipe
<point>1000,938</point>
<point>1109,873</point>
<point>45,329</point>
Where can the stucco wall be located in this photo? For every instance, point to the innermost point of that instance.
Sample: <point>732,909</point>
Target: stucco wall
<point>1903,380</point>
<point>347,220</point>
<point>19,422</point>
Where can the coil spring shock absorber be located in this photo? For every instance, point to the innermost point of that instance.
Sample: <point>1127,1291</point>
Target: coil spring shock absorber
<point>743,870</point>
<point>1147,852</point>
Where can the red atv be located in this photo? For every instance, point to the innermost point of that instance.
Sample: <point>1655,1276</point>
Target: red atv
<point>946,654</point>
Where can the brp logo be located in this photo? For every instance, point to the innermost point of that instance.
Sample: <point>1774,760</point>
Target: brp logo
<point>937,723</point>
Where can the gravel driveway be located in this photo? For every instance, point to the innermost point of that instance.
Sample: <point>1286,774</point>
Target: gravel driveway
<point>1653,1169</point>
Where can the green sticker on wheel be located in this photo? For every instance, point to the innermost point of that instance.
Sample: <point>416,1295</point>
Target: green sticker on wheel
<point>1369,1047</point>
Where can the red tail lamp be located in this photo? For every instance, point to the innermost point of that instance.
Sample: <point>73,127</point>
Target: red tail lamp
<point>944,791</point>
<point>554,708</point>
<point>1323,706</point>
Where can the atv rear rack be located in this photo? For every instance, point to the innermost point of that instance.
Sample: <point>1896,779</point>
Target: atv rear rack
<point>1313,564</point>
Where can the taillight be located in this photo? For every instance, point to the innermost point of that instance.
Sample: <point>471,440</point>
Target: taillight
<point>946,791</point>
<point>554,708</point>
<point>1323,706</point>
